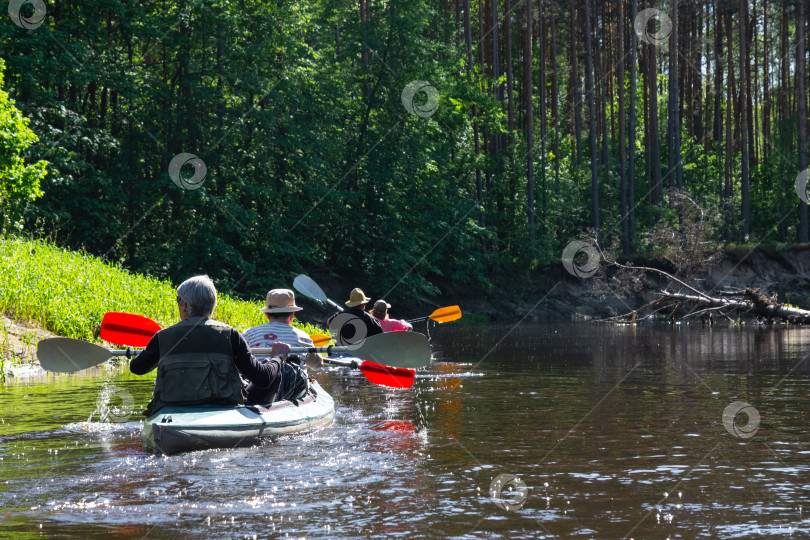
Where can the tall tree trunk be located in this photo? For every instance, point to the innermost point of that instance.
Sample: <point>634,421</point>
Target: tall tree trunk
<point>744,179</point>
<point>499,137</point>
<point>507,37</point>
<point>599,75</point>
<point>482,56</point>
<point>781,99</point>
<point>527,98</point>
<point>508,138</point>
<point>718,76</point>
<point>476,135</point>
<point>745,79</point>
<point>801,54</point>
<point>766,95</point>
<point>611,58</point>
<point>685,81</point>
<point>673,129</point>
<point>575,84</point>
<point>622,135</point>
<point>755,89</point>
<point>496,57</point>
<point>482,48</point>
<point>541,37</point>
<point>631,163</point>
<point>729,219</point>
<point>707,105</point>
<point>655,146</point>
<point>645,94</point>
<point>697,88</point>
<point>555,110</point>
<point>592,113</point>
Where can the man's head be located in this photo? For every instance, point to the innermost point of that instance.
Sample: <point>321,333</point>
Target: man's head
<point>280,304</point>
<point>198,296</point>
<point>357,298</point>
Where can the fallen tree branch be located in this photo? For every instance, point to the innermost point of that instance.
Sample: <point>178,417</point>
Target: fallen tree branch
<point>747,301</point>
<point>686,244</point>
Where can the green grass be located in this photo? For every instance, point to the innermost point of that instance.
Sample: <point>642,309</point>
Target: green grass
<point>68,293</point>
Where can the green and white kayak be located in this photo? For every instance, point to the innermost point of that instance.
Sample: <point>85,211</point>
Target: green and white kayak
<point>199,427</point>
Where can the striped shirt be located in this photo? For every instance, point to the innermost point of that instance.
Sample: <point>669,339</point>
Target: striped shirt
<point>265,334</point>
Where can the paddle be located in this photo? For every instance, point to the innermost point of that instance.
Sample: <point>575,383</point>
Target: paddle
<point>404,352</point>
<point>377,373</point>
<point>67,355</point>
<point>136,330</point>
<point>306,286</point>
<point>128,329</point>
<point>442,315</point>
<point>320,340</point>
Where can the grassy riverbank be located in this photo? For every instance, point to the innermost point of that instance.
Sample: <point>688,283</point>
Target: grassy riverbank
<point>68,293</point>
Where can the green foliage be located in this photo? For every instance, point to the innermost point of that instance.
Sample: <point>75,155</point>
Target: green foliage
<point>19,183</point>
<point>313,163</point>
<point>68,293</point>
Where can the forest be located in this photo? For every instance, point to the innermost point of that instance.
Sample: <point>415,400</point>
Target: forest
<point>413,147</point>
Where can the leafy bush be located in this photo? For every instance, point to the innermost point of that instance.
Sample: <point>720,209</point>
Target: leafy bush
<point>19,183</point>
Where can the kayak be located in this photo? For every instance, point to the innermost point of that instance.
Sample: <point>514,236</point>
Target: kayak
<point>199,427</point>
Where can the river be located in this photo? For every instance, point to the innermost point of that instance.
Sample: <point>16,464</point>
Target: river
<point>521,432</point>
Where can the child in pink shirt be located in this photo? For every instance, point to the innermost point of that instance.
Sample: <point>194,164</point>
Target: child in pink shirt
<point>380,311</point>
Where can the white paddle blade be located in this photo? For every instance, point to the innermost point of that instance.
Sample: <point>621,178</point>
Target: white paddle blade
<point>65,355</point>
<point>399,349</point>
<point>309,288</point>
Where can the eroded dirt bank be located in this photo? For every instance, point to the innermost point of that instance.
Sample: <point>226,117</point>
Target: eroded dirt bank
<point>554,295</point>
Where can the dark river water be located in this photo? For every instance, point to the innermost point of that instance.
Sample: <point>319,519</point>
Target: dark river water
<point>532,432</point>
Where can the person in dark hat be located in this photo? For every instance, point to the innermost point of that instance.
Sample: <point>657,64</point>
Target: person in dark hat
<point>353,324</point>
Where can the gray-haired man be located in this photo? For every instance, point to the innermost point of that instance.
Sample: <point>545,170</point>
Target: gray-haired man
<point>199,360</point>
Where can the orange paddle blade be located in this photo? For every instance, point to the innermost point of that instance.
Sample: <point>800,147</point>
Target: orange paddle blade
<point>320,340</point>
<point>446,314</point>
<point>128,329</point>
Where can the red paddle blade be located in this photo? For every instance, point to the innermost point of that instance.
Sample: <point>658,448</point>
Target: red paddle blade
<point>387,376</point>
<point>128,329</point>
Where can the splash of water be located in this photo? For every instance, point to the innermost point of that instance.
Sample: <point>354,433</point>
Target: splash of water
<point>106,407</point>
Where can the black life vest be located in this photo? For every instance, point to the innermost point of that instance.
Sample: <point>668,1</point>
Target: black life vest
<point>196,366</point>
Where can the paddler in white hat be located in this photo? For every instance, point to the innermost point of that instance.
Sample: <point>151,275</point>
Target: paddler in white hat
<point>280,310</point>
